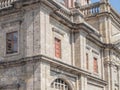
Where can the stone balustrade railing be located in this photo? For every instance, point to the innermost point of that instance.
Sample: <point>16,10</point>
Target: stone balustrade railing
<point>62,10</point>
<point>91,9</point>
<point>65,14</point>
<point>6,3</point>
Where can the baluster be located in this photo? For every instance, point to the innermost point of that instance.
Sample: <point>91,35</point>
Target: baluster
<point>12,0</point>
<point>9,2</point>
<point>5,3</point>
<point>90,10</point>
<point>96,10</point>
<point>87,11</point>
<point>0,4</point>
<point>93,10</point>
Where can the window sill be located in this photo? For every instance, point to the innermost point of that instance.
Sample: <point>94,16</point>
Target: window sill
<point>96,74</point>
<point>11,54</point>
<point>58,58</point>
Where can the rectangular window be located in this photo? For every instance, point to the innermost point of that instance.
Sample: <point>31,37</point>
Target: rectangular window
<point>87,62</point>
<point>12,42</point>
<point>57,48</point>
<point>95,65</point>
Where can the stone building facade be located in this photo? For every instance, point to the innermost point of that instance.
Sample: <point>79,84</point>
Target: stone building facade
<point>59,45</point>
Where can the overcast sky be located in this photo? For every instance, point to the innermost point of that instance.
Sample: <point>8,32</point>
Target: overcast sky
<point>114,3</point>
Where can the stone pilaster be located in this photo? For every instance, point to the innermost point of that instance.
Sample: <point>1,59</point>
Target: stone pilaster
<point>83,82</point>
<point>112,77</point>
<point>83,49</point>
<point>80,49</point>
<point>45,32</point>
<point>44,76</point>
<point>108,76</point>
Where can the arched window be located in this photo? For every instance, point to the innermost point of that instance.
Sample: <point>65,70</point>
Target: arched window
<point>60,84</point>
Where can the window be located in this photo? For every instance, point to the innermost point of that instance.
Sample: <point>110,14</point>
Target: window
<point>95,65</point>
<point>12,42</point>
<point>57,48</point>
<point>87,62</point>
<point>59,84</point>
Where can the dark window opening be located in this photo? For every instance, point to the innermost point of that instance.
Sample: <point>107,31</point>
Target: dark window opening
<point>12,42</point>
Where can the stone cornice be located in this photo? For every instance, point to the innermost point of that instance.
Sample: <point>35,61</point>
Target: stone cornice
<point>112,64</point>
<point>113,47</point>
<point>96,81</point>
<point>53,63</point>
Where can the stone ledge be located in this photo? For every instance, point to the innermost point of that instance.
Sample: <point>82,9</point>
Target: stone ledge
<point>53,63</point>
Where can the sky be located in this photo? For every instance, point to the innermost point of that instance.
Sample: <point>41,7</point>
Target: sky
<point>115,4</point>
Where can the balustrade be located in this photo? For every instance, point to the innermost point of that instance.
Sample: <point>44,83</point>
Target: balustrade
<point>91,9</point>
<point>65,14</point>
<point>6,3</point>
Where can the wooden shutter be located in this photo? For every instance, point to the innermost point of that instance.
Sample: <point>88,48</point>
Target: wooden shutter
<point>57,48</point>
<point>95,65</point>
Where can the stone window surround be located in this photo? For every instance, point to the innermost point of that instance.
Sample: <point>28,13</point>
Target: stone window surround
<point>60,84</point>
<point>92,53</point>
<point>95,66</point>
<point>12,42</point>
<point>57,46</point>
<point>6,45</point>
<point>57,33</point>
<point>11,28</point>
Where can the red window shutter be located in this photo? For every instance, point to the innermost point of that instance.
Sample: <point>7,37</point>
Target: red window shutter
<point>57,48</point>
<point>95,65</point>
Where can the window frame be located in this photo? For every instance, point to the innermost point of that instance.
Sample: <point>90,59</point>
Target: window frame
<point>95,67</point>
<point>60,52</point>
<point>60,84</point>
<point>14,52</point>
